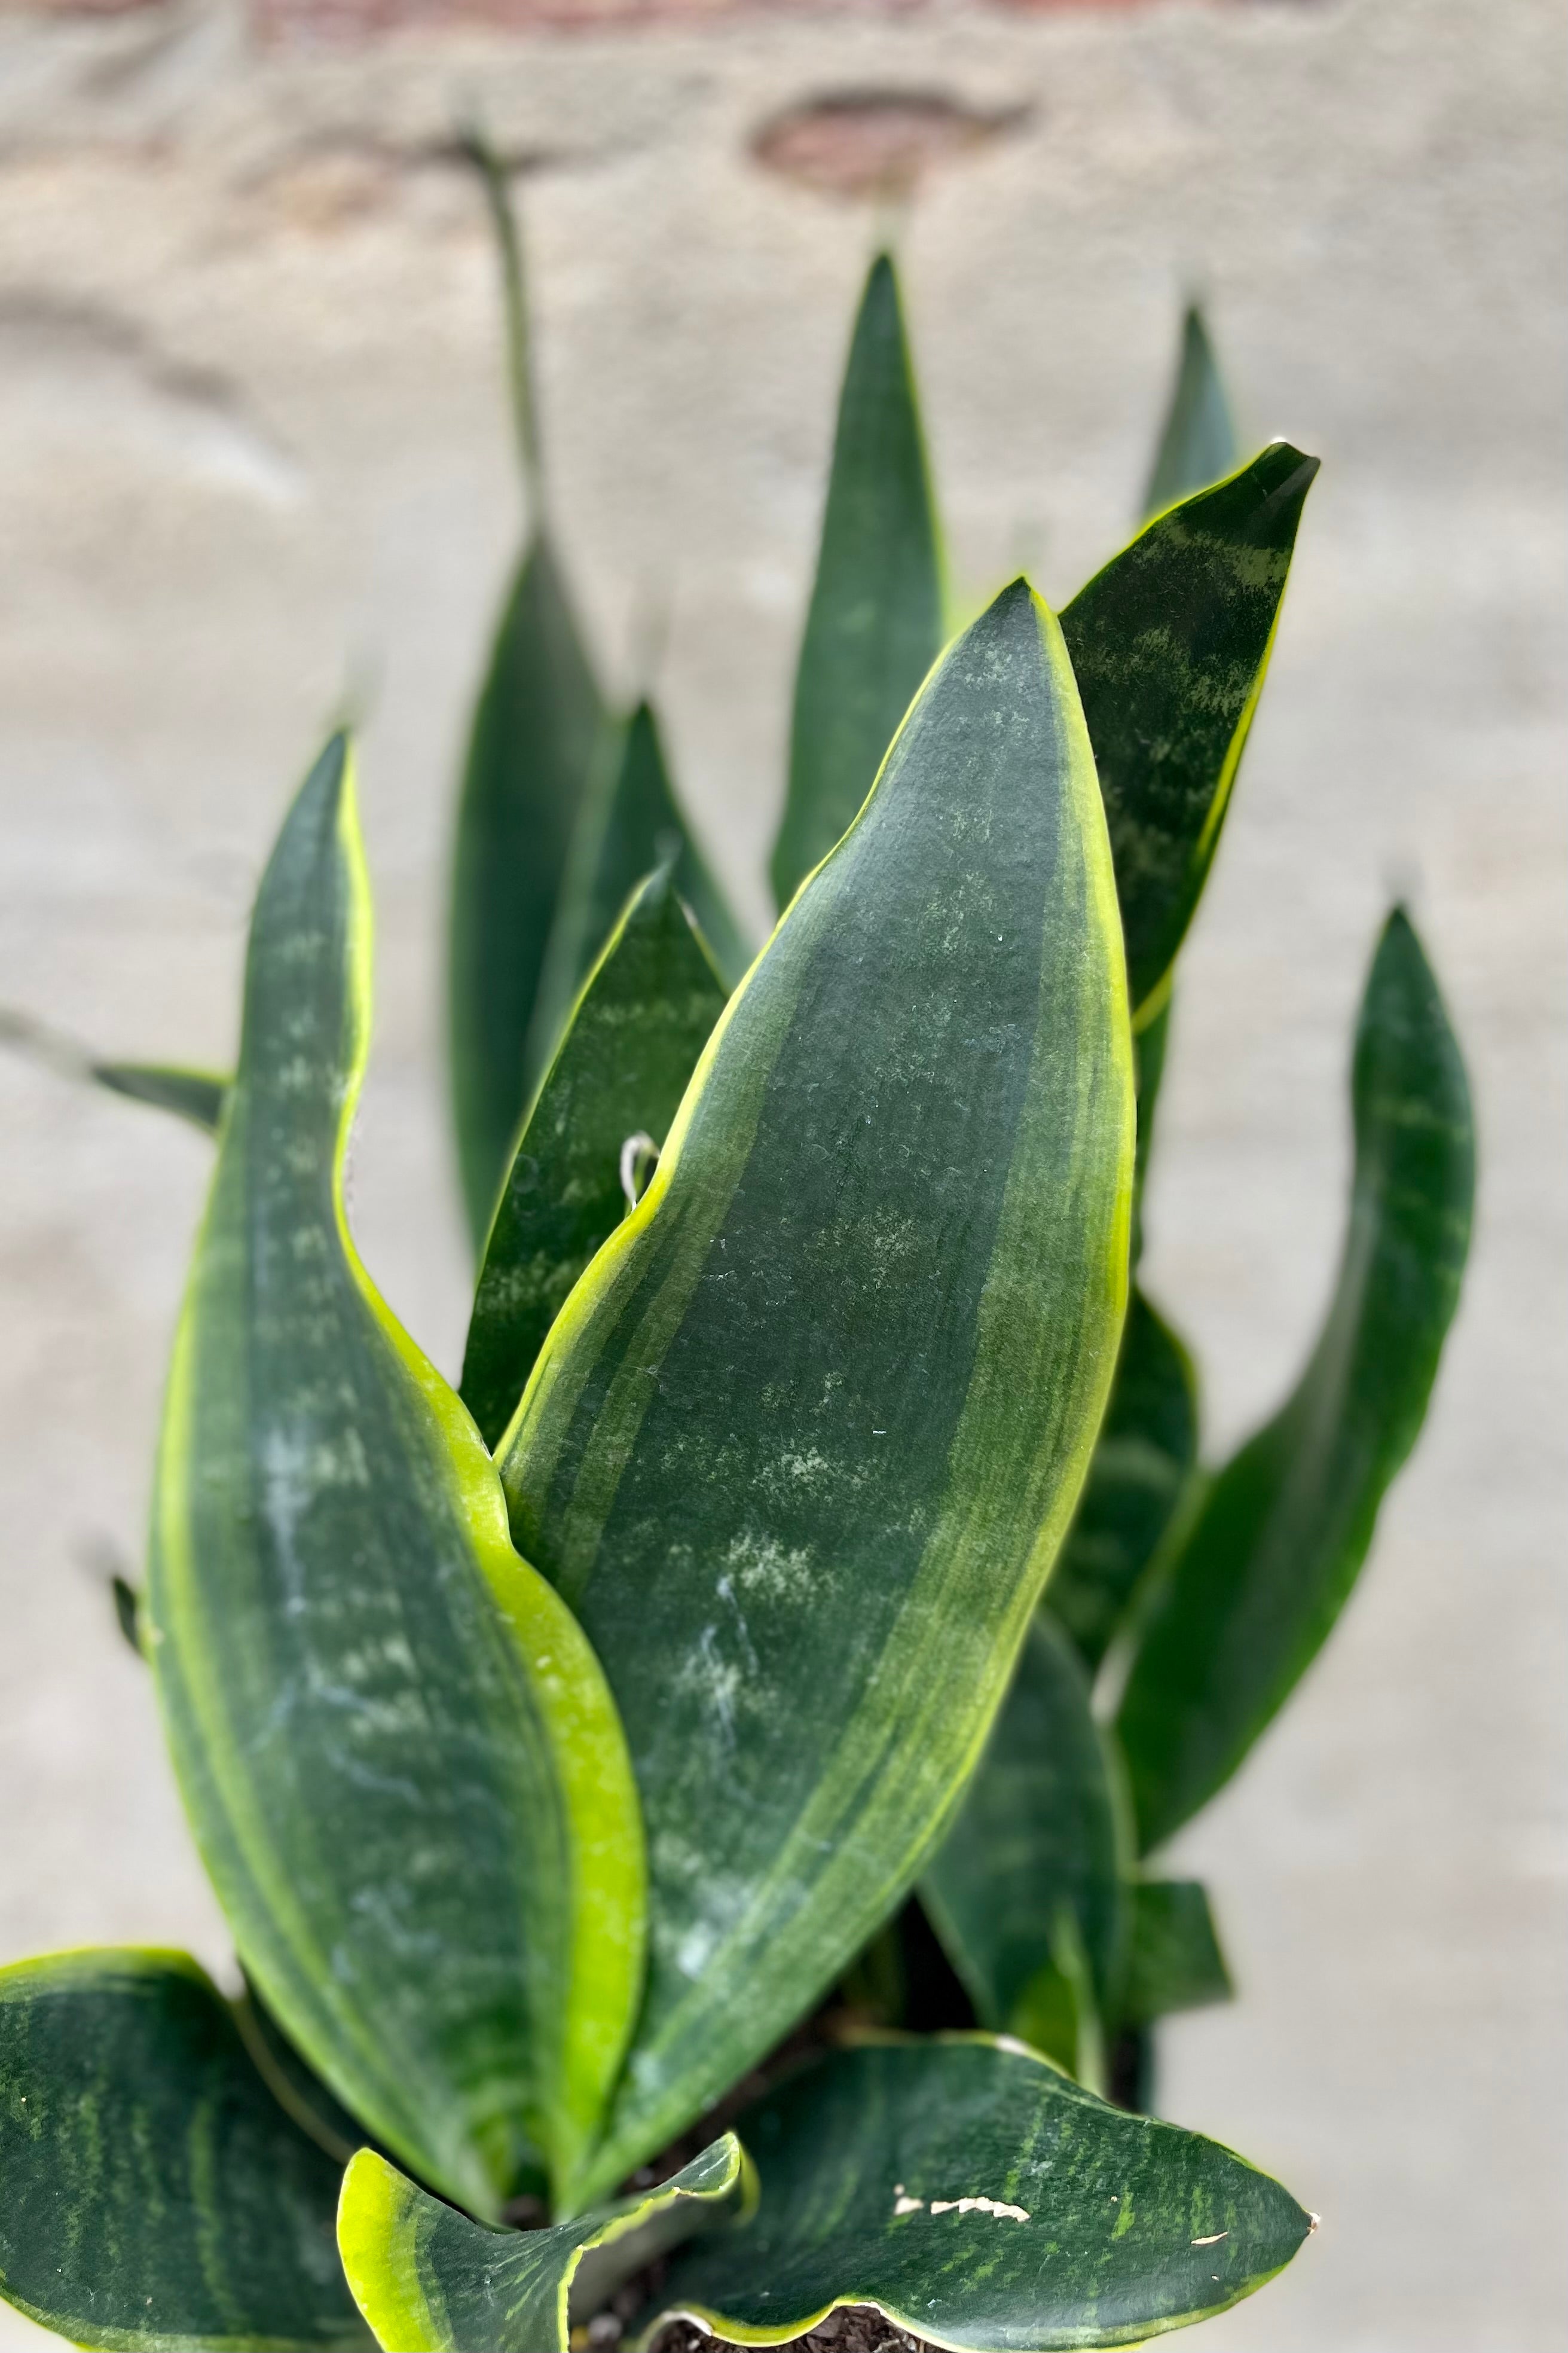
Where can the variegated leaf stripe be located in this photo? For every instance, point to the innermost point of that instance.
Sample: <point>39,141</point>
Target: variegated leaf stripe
<point>985,2202</point>
<point>803,1443</point>
<point>429,2281</point>
<point>401,1762</point>
<point>156,2195</point>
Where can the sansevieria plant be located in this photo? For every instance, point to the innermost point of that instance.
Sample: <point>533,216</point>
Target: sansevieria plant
<point>683,1800</point>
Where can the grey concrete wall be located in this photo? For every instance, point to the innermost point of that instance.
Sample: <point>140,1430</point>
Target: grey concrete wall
<point>253,458</point>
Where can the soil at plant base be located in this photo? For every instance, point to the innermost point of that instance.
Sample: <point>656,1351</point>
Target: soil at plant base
<point>857,2331</point>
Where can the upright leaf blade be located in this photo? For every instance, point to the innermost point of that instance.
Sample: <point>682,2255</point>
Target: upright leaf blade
<point>875,624</point>
<point>1031,1875</point>
<point>402,1765</point>
<point>628,827</point>
<point>984,2202</point>
<point>1169,645</point>
<point>1174,1961</point>
<point>429,2281</point>
<point>1198,442</point>
<point>1271,1558</point>
<point>1143,1461</point>
<point>197,1096</point>
<point>156,2193</point>
<point>533,743</point>
<point>801,1446</point>
<point>620,1071</point>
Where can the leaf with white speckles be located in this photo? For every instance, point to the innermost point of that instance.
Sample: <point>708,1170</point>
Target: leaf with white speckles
<point>982,2201</point>
<point>802,1443</point>
<point>401,1762</point>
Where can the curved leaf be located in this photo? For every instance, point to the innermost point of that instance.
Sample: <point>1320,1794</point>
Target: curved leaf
<point>1198,443</point>
<point>1143,1459</point>
<point>875,624</point>
<point>1169,645</point>
<point>533,743</point>
<point>801,1445</point>
<point>1149,1068</point>
<point>1270,1560</point>
<point>1173,1961</point>
<point>620,1071</point>
<point>402,1765</point>
<point>1027,1890</point>
<point>984,2202</point>
<point>628,826</point>
<point>429,2281</point>
<point>195,1095</point>
<point>156,2193</point>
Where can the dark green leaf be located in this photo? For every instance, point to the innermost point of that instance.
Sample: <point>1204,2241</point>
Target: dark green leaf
<point>429,2281</point>
<point>535,736</point>
<point>156,2194</point>
<point>294,2083</point>
<point>1026,1891</point>
<point>1149,1068</point>
<point>1169,644</point>
<point>802,1443</point>
<point>1144,1460</point>
<point>127,1611</point>
<point>620,1071</point>
<point>1199,444</point>
<point>1174,1961</point>
<point>985,2202</point>
<point>1270,1559</point>
<point>402,1764</point>
<point>629,824</point>
<point>875,624</point>
<point>195,1095</point>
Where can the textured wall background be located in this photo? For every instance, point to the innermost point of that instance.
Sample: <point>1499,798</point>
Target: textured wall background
<point>253,456</point>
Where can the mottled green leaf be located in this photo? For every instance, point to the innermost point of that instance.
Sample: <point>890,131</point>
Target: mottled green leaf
<point>533,743</point>
<point>629,824</point>
<point>429,2281</point>
<point>802,1444</point>
<point>402,1765</point>
<point>194,1095</point>
<point>1174,1961</point>
<point>983,2201</point>
<point>1169,645</point>
<point>1026,1889</point>
<point>874,625</point>
<point>1198,443</point>
<point>620,1071</point>
<point>1270,1559</point>
<point>1143,1461</point>
<point>155,2194</point>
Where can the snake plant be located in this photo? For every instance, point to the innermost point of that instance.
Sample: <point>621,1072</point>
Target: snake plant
<point>815,1553</point>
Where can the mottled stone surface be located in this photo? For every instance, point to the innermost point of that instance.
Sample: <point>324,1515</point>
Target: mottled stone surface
<point>253,464</point>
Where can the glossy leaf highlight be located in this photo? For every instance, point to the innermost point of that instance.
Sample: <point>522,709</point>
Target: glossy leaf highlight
<point>429,2281</point>
<point>875,624</point>
<point>985,2202</point>
<point>1169,645</point>
<point>1271,1558</point>
<point>400,1760</point>
<point>620,1071</point>
<point>155,2194</point>
<point>802,1444</point>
